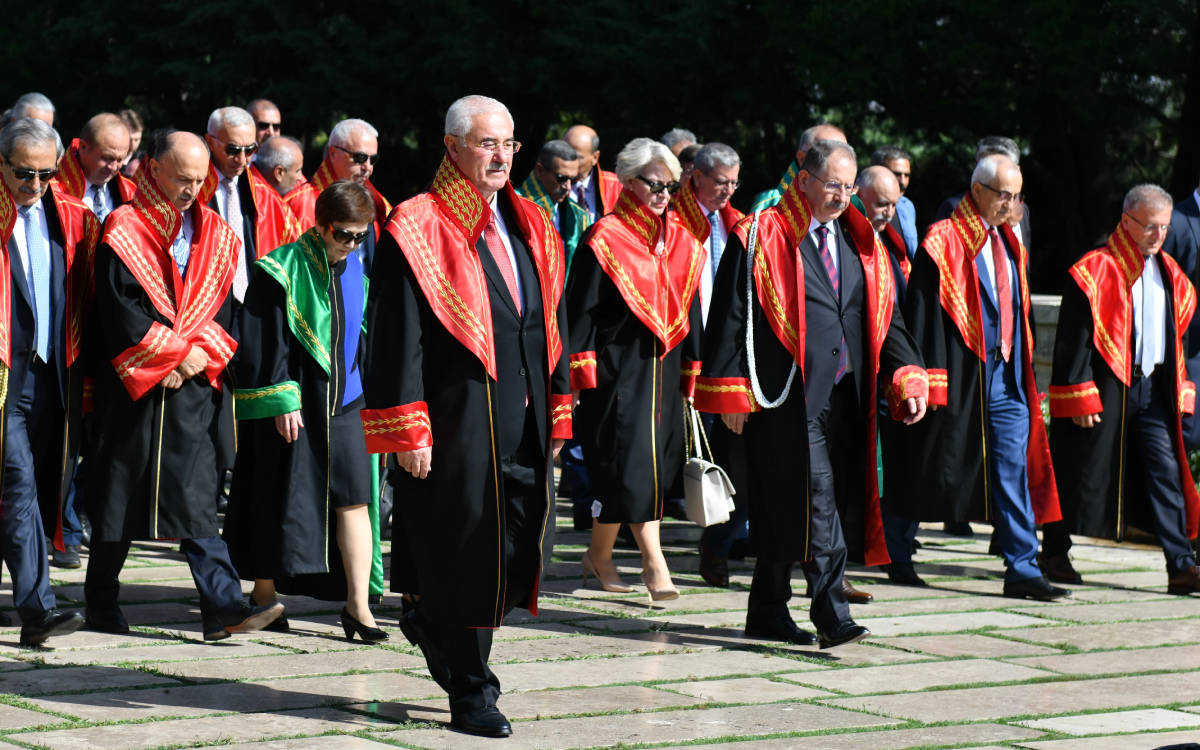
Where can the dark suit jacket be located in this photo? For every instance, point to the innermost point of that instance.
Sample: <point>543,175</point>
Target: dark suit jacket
<point>1183,244</point>
<point>23,341</point>
<point>951,203</point>
<point>828,318</point>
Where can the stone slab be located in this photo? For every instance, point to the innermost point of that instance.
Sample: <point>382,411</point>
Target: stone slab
<point>888,739</point>
<point>654,727</point>
<point>945,623</point>
<point>1173,658</point>
<point>920,676</point>
<point>192,731</point>
<point>292,665</point>
<point>573,647</point>
<point>331,742</point>
<point>745,690</point>
<point>77,679</point>
<point>1179,606</point>
<point>86,639</point>
<point>1088,637</point>
<point>966,644</point>
<point>170,651</point>
<point>982,703</point>
<point>12,717</point>
<point>592,672</point>
<point>1151,741</point>
<point>1147,720</point>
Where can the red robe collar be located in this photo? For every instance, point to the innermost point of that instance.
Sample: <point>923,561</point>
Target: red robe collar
<point>274,223</point>
<point>609,190</point>
<point>657,285</point>
<point>895,245</point>
<point>695,218</point>
<point>437,232</point>
<point>74,182</point>
<point>141,233</point>
<point>324,178</point>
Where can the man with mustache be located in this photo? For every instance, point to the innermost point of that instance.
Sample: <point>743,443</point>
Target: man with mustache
<point>801,384</point>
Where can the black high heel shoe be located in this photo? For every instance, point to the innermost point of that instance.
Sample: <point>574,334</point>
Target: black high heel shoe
<point>367,633</point>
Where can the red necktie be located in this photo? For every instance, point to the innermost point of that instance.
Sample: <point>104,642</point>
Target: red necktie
<point>491,235</point>
<point>1003,293</point>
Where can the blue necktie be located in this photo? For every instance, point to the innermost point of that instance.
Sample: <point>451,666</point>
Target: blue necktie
<point>39,277</point>
<point>98,207</point>
<point>180,251</point>
<point>714,252</point>
<point>831,269</point>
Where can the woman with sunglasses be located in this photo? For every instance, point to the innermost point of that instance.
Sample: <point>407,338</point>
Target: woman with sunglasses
<point>298,518</point>
<point>634,309</point>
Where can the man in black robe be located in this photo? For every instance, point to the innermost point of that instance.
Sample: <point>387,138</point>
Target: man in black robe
<point>467,384</point>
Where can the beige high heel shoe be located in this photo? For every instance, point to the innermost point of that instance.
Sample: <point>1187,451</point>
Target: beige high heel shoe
<point>665,594</point>
<point>617,587</point>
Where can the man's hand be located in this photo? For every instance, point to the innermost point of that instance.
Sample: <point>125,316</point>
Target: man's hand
<point>288,425</point>
<point>194,363</point>
<point>173,380</point>
<point>916,410</point>
<point>556,445</point>
<point>416,462</point>
<point>1087,421</point>
<point>735,422</point>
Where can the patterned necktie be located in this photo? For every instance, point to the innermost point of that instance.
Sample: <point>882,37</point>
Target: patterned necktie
<point>714,252</point>
<point>39,279</point>
<point>491,236</point>
<point>98,206</point>
<point>233,215</point>
<point>180,251</point>
<point>831,270</point>
<point>1003,293</point>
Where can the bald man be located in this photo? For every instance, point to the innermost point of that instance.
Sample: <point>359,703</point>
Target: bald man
<point>820,132</point>
<point>280,163</point>
<point>594,189</point>
<point>91,168</point>
<point>157,407</point>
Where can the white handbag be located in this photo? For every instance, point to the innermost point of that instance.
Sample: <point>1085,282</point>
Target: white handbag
<point>707,491</point>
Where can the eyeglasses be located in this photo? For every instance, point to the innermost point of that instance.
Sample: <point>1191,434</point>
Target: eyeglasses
<point>345,236</point>
<point>25,174</point>
<point>1005,196</point>
<point>492,145</point>
<point>275,126</point>
<point>657,187</point>
<point>722,184</point>
<point>359,157</point>
<point>235,151</point>
<point>833,186</point>
<point>1150,228</point>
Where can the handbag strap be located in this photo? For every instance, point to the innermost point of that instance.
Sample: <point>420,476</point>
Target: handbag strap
<point>699,439</point>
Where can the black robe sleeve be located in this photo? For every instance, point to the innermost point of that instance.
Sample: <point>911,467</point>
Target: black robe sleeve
<point>262,356</point>
<point>926,323</point>
<point>725,336</point>
<point>393,375</point>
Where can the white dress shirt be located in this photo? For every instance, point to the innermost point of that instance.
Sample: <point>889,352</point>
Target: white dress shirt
<point>1149,317</point>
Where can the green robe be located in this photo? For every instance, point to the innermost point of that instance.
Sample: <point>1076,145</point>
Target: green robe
<point>573,218</point>
<point>768,198</point>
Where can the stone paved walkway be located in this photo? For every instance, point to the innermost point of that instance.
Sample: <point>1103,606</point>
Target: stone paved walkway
<point>955,665</point>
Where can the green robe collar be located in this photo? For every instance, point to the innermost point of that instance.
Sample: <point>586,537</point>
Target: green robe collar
<point>302,269</point>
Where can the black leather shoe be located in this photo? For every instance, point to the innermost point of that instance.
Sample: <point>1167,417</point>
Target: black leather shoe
<point>713,568</point>
<point>958,528</point>
<point>67,558</point>
<point>414,630</point>
<point>5,620</point>
<point>246,619</point>
<point>1058,568</point>
<point>485,722</point>
<point>106,620</point>
<point>1185,581</point>
<point>847,632</point>
<point>904,574</point>
<point>278,625</point>
<point>1034,588</point>
<point>52,622</point>
<point>778,629</point>
<point>853,595</point>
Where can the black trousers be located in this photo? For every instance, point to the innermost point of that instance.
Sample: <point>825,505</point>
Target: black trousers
<point>1150,426</point>
<point>829,466</point>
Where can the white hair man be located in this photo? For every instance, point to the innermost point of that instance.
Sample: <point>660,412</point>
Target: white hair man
<point>280,163</point>
<point>466,375</point>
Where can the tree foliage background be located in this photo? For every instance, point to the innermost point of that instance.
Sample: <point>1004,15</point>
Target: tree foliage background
<point>1101,94</point>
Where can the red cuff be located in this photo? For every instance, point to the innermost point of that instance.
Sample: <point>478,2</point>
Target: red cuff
<point>396,429</point>
<point>907,382</point>
<point>560,416</point>
<point>939,385</point>
<point>144,365</point>
<point>1187,397</point>
<point>219,346</point>
<point>583,371</point>
<point>688,372</point>
<point>724,395</point>
<point>1077,400</point>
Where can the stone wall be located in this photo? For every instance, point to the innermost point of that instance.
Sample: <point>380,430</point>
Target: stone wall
<point>1045,316</point>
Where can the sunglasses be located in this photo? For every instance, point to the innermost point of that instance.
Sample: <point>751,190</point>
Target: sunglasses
<point>358,157</point>
<point>345,236</point>
<point>25,174</point>
<point>235,151</point>
<point>267,125</point>
<point>563,179</point>
<point>657,187</point>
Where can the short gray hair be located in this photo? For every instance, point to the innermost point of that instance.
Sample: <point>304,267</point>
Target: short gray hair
<point>643,151</point>
<point>675,135</point>
<point>228,117</point>
<point>1146,194</point>
<point>464,110</point>
<point>713,155</point>
<point>988,167</point>
<point>819,153</point>
<point>274,152</point>
<point>341,133</point>
<point>28,130</point>
<point>556,149</point>
<point>882,155</point>
<point>998,144</point>
<point>31,101</point>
